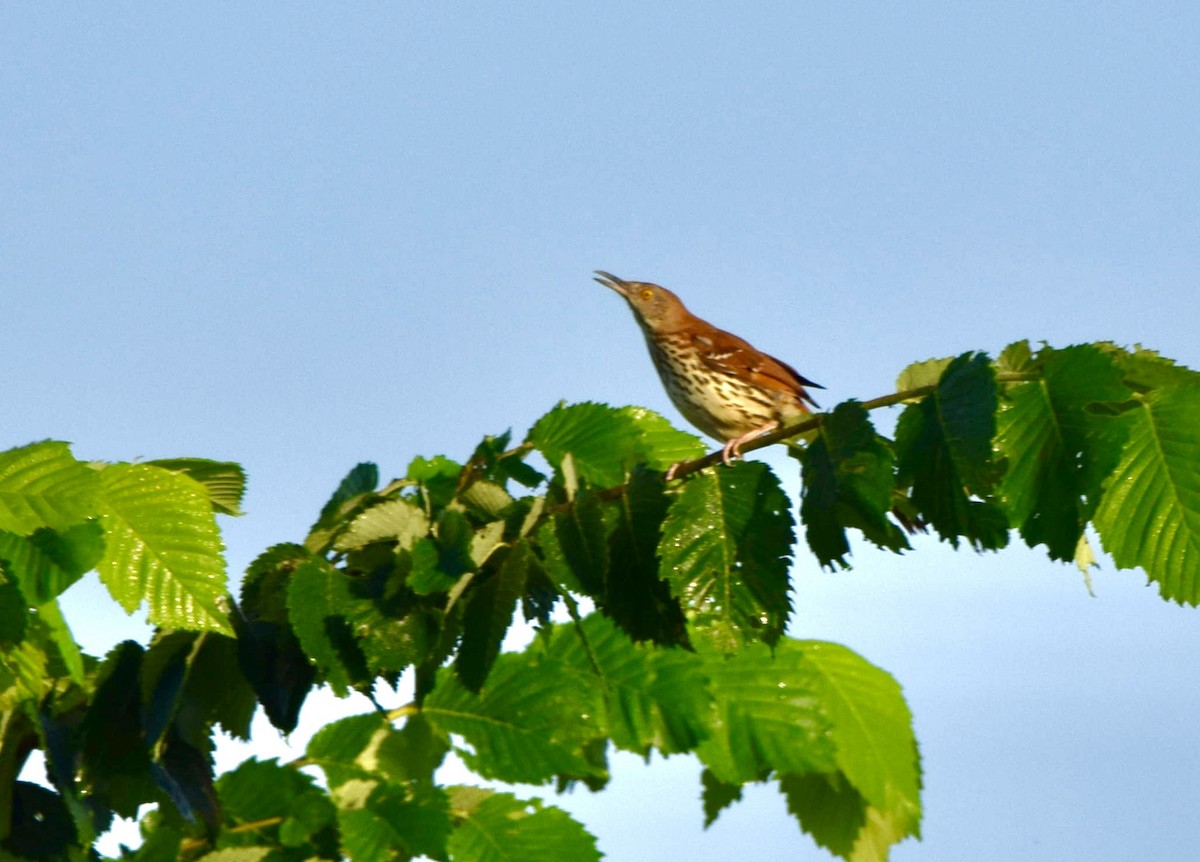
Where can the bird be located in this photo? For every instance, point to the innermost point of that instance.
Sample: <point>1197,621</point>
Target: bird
<point>723,385</point>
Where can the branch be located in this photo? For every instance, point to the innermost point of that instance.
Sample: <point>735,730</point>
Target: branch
<point>815,421</point>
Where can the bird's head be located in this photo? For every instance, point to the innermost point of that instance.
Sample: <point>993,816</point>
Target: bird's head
<point>655,307</point>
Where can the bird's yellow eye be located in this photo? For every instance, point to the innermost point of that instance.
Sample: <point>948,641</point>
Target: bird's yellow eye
<point>647,294</point>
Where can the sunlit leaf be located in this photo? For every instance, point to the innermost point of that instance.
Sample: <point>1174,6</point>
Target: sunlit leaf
<point>162,547</point>
<point>605,443</point>
<point>920,374</point>
<point>1150,513</point>
<point>871,729</point>
<point>770,716</point>
<point>529,724</point>
<point>395,520</point>
<point>503,828</point>
<point>46,562</point>
<point>42,485</point>
<point>654,698</point>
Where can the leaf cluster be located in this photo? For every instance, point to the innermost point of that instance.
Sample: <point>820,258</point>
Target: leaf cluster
<point>659,615</point>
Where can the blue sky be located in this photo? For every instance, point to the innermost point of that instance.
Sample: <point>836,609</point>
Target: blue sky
<point>299,236</point>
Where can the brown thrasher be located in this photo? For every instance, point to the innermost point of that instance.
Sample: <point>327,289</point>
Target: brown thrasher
<point>719,382</point>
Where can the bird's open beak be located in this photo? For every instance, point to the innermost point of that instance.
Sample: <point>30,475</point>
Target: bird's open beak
<point>611,281</point>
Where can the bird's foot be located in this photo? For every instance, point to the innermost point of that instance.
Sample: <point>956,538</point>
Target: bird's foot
<point>732,450</point>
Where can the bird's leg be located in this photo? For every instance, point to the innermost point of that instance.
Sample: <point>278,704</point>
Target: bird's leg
<point>732,449</point>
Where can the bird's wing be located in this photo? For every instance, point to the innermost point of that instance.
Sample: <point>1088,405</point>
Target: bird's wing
<point>725,352</point>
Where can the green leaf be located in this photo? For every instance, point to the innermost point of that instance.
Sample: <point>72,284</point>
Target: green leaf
<point>493,459</point>
<point>944,452</point>
<point>24,675</point>
<point>264,588</point>
<point>597,437</point>
<point>487,499</point>
<point>871,729</point>
<point>654,698</point>
<point>397,820</point>
<point>530,722</point>
<point>358,484</point>
<point>489,614</point>
<point>725,548</point>
<point>163,547</point>
<point>425,577</point>
<point>503,828</point>
<point>269,652</point>
<point>1150,513</point>
<point>919,374</point>
<point>716,796</point>
<point>345,749</point>
<point>829,808</point>
<point>1147,371</point>
<point>216,690</point>
<point>396,520</point>
<point>606,443</point>
<point>59,634</point>
<point>1015,357</point>
<point>14,610</point>
<point>318,599</point>
<point>260,789</point>
<point>635,596</point>
<point>161,680</point>
<point>683,700</point>
<point>438,477</point>
<point>574,546</point>
<point>114,758</point>
<point>362,479</point>
<point>454,537</point>
<point>1059,453</point>
<point>225,481</point>
<point>184,773</point>
<point>391,638</point>
<point>47,562</point>
<point>42,485</point>
<point>848,482</point>
<point>660,443</point>
<point>311,818</point>
<point>412,753</point>
<point>486,541</point>
<point>769,716</point>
